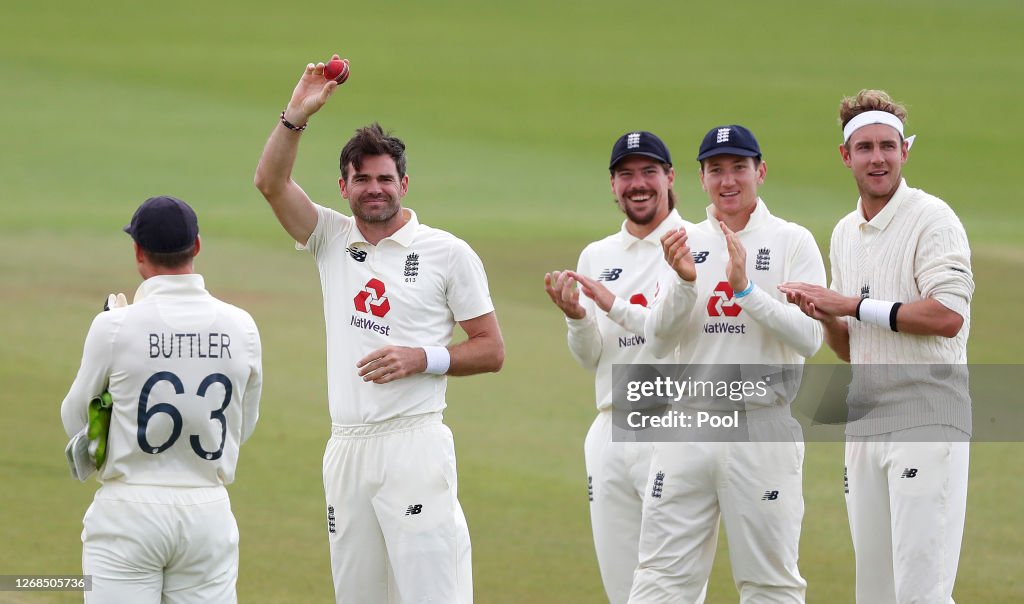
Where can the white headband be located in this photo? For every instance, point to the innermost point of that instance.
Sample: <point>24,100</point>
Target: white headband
<point>875,117</point>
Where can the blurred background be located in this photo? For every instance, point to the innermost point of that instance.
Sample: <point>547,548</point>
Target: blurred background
<point>509,111</point>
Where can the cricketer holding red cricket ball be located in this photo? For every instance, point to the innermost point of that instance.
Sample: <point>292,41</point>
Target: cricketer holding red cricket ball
<point>393,289</point>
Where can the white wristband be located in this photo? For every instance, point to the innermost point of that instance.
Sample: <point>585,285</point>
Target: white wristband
<point>878,312</point>
<point>438,360</point>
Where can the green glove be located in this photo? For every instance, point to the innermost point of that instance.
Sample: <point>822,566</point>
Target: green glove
<point>100,408</point>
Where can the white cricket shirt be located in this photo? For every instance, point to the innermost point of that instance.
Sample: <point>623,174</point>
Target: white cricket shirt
<point>709,325</point>
<point>408,290</point>
<point>915,248</point>
<point>629,267</point>
<point>185,374</point>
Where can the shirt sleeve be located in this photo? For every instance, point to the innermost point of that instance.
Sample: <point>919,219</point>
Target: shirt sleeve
<point>665,323</point>
<point>631,317</point>
<point>942,265</point>
<point>835,261</point>
<point>783,320</point>
<point>467,292</point>
<point>329,225</point>
<point>93,374</point>
<point>254,386</point>
<point>584,337</point>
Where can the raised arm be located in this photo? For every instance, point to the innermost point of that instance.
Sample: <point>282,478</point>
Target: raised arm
<point>291,205</point>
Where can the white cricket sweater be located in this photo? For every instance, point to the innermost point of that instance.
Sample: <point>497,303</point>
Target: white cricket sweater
<point>914,249</point>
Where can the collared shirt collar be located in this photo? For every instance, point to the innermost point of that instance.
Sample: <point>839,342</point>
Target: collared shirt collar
<point>883,218</point>
<point>402,236</point>
<point>672,221</point>
<point>757,217</point>
<point>161,285</point>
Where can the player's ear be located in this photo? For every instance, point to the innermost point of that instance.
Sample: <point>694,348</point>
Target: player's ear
<point>404,185</point>
<point>845,154</point>
<point>343,187</point>
<point>195,250</point>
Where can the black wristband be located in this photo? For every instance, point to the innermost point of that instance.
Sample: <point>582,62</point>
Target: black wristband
<point>292,126</point>
<point>892,315</point>
<point>856,313</point>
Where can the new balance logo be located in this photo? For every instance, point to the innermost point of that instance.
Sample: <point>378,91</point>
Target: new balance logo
<point>633,140</point>
<point>909,473</point>
<point>699,257</point>
<point>659,483</point>
<point>865,292</point>
<point>331,528</point>
<point>357,255</point>
<point>723,135</point>
<point>590,488</point>
<point>610,274</point>
<point>846,481</point>
<point>763,259</point>
<point>412,510</point>
<point>770,496</point>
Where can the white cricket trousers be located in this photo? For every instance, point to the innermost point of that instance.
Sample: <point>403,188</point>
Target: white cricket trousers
<point>616,479</point>
<point>395,527</point>
<point>906,500</point>
<point>148,544</point>
<point>756,488</point>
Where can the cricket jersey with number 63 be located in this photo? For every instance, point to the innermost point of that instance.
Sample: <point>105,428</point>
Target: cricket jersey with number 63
<point>185,375</point>
<point>408,290</point>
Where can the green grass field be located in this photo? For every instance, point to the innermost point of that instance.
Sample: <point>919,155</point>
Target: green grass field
<point>509,112</point>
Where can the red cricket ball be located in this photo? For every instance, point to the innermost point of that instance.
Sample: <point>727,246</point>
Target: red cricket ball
<point>337,70</point>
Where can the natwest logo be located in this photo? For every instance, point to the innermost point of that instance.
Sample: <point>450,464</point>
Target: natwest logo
<point>638,299</point>
<point>721,302</point>
<point>372,299</point>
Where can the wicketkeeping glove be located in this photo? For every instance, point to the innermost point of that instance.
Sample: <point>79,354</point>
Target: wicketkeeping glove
<point>115,301</point>
<point>100,408</point>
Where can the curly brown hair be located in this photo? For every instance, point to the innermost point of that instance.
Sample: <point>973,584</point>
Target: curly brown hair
<point>869,100</point>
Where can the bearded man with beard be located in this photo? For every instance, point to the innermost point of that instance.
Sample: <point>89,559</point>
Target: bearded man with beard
<point>393,291</point>
<point>618,276</point>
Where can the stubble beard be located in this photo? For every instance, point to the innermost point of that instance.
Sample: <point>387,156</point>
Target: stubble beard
<point>383,215</point>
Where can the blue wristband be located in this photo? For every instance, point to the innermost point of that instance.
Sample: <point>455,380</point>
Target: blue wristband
<point>750,288</point>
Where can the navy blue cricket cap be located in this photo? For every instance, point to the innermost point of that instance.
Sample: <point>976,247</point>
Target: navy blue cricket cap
<point>639,143</point>
<point>729,140</point>
<point>164,225</point>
